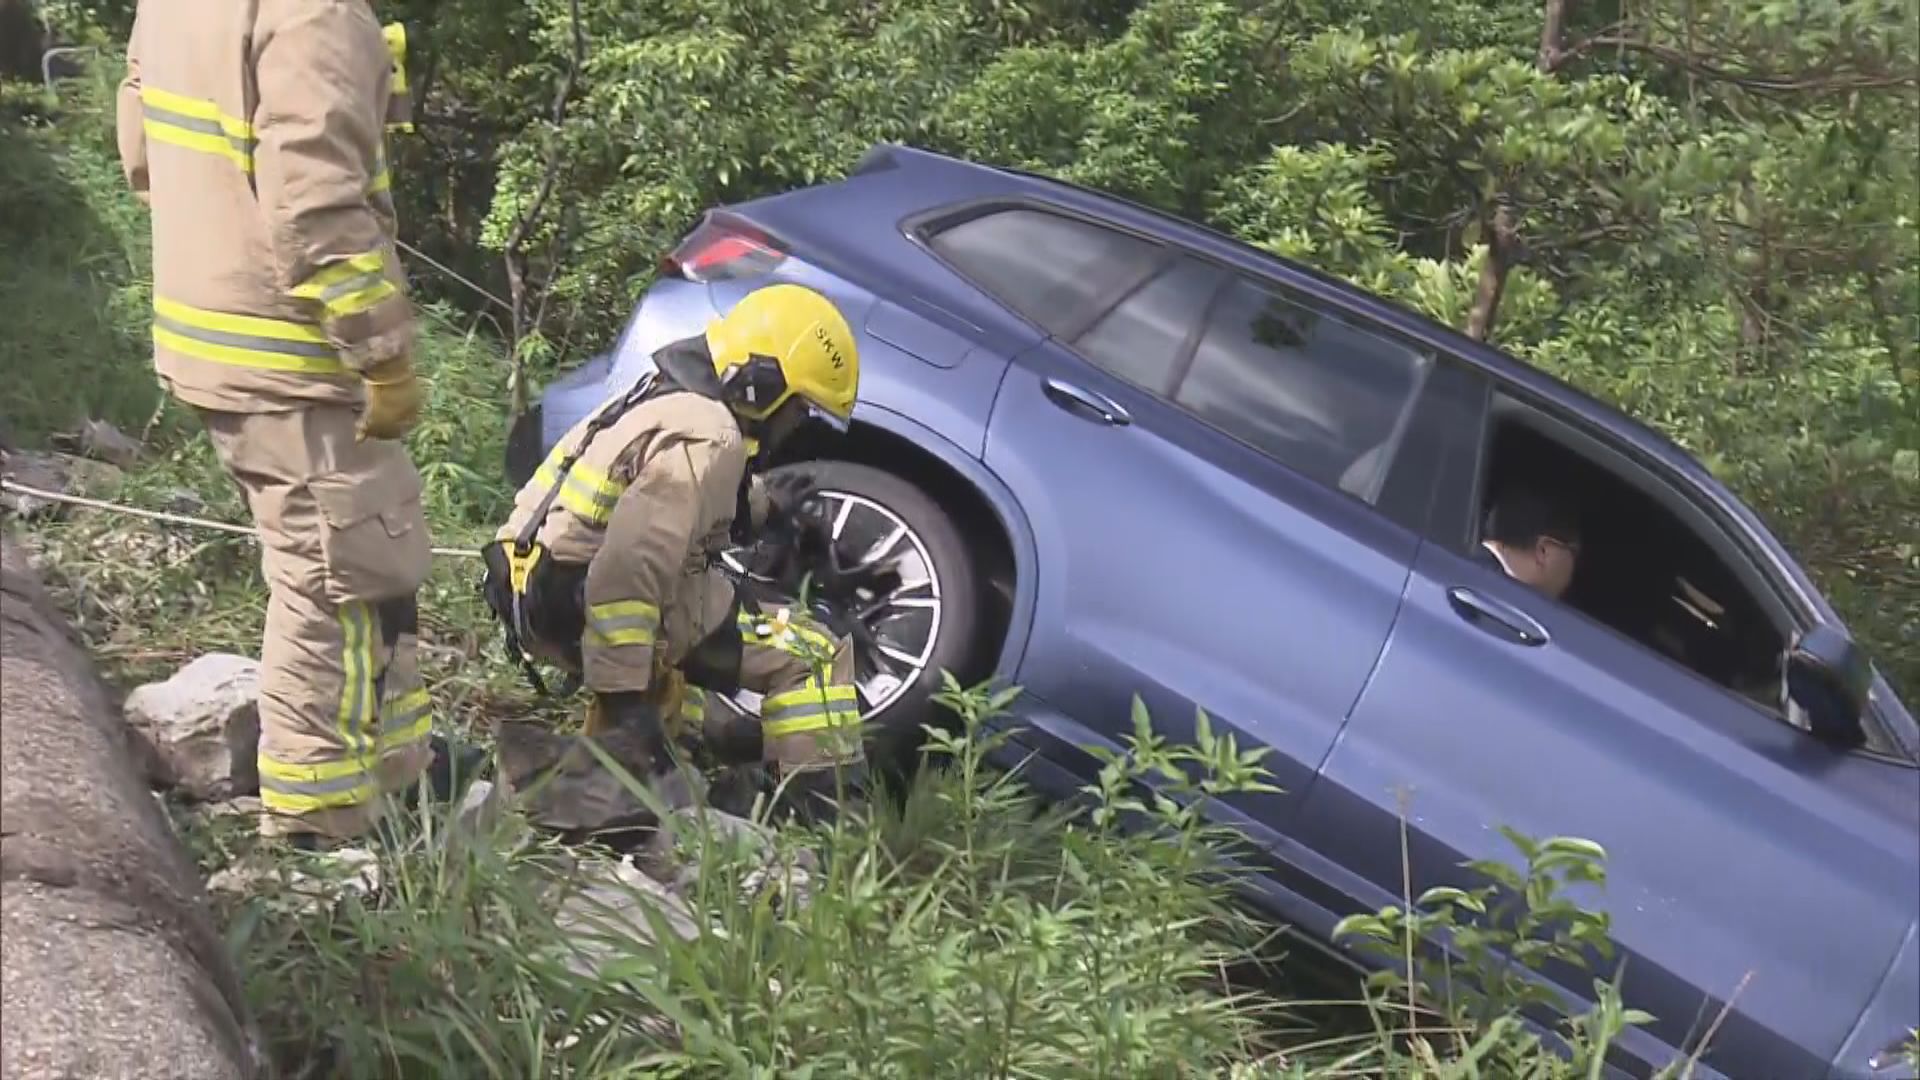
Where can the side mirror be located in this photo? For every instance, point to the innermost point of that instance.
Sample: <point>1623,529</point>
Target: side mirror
<point>1827,681</point>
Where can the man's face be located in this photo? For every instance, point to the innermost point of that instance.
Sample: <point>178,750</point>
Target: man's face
<point>1550,564</point>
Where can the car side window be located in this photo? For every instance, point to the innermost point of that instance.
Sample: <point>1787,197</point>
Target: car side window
<point>1051,268</point>
<point>1147,333</point>
<point>1313,391</point>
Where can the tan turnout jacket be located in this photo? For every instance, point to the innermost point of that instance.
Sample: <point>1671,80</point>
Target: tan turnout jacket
<point>680,458</point>
<point>255,131</point>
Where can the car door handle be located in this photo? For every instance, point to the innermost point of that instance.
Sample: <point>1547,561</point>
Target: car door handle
<point>1071,397</point>
<point>1517,624</point>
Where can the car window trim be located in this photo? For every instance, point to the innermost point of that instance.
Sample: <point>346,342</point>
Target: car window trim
<point>1175,261</point>
<point>921,228</point>
<point>1183,363</point>
<point>1112,296</point>
<point>1232,275</point>
<point>1454,447</point>
<point>1225,276</point>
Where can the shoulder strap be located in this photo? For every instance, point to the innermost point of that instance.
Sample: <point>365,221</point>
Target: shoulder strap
<point>523,543</point>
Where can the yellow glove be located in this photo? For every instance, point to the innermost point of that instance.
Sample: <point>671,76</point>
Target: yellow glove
<point>394,395</point>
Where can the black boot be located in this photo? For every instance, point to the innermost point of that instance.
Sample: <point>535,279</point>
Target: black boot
<point>819,796</point>
<point>731,737</point>
<point>629,713</point>
<point>449,773</point>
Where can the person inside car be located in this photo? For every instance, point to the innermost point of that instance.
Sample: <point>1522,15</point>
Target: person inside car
<point>1533,539</point>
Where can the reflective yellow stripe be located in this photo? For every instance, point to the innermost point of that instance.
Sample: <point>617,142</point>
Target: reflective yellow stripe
<point>357,696</point>
<point>622,622</point>
<point>586,491</point>
<point>351,285</point>
<point>810,709</point>
<point>693,705</point>
<point>382,178</point>
<point>406,719</point>
<point>812,693</point>
<point>298,789</point>
<point>244,340</point>
<point>196,124</point>
<point>277,330</point>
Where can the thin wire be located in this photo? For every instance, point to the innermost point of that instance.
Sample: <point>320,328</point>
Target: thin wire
<point>452,273</point>
<point>176,519</point>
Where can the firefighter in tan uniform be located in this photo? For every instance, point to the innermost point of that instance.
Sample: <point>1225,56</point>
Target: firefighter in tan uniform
<point>606,565</point>
<point>255,133</point>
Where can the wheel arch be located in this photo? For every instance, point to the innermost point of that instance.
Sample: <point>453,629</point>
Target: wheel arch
<point>988,516</point>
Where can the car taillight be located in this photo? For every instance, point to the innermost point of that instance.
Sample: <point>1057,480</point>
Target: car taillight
<point>722,251</point>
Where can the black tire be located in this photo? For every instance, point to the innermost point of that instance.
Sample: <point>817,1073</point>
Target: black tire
<point>894,733</point>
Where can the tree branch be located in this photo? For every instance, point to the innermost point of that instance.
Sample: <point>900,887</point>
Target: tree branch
<point>1552,30</point>
<point>513,255</point>
<point>1818,81</point>
<point>1493,273</point>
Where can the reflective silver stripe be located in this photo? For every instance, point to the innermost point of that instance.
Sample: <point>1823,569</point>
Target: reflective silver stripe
<point>246,341</point>
<point>243,143</point>
<point>624,622</point>
<point>395,723</point>
<point>334,785</point>
<point>357,622</point>
<point>350,285</point>
<point>803,710</point>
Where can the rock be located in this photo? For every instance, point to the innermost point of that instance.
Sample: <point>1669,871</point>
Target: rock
<point>477,819</point>
<point>608,907</point>
<point>782,876</point>
<point>100,441</point>
<point>204,726</point>
<point>60,474</point>
<point>479,809</point>
<point>104,442</point>
<point>562,785</point>
<point>306,884</point>
<point>110,964</point>
<point>183,501</point>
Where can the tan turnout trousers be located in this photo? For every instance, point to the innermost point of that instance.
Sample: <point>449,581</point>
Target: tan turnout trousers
<point>343,715</point>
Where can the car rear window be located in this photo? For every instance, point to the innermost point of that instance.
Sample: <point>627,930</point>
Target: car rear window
<point>1051,268</point>
<point>1311,390</point>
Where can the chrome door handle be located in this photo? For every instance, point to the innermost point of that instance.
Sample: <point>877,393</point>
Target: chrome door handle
<point>1518,624</point>
<point>1071,397</point>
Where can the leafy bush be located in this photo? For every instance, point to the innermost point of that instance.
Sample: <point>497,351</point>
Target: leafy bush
<point>1463,967</point>
<point>971,933</point>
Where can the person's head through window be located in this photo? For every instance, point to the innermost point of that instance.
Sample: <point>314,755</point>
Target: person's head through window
<point>1535,539</point>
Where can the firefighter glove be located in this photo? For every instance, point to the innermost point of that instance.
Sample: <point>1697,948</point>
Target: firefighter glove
<point>394,397</point>
<point>786,491</point>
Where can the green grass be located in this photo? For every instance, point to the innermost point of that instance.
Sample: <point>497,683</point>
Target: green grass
<point>73,257</point>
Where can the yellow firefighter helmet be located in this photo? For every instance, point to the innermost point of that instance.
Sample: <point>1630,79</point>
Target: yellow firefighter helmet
<point>783,342</point>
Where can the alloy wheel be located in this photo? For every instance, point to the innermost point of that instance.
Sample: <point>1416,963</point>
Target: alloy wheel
<point>879,587</point>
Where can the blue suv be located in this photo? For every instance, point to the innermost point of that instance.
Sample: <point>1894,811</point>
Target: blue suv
<point>1101,451</point>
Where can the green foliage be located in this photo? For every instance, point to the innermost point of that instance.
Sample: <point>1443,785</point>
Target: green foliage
<point>1496,936</point>
<point>972,934</point>
<point>73,272</point>
<point>1501,931</point>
